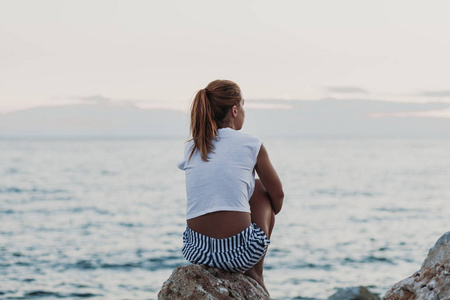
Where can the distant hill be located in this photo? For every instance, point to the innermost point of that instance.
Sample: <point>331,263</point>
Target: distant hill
<point>323,118</point>
<point>94,120</point>
<point>348,118</point>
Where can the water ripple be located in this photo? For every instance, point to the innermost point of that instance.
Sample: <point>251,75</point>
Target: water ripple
<point>104,218</point>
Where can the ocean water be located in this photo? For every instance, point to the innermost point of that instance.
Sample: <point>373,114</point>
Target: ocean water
<point>103,219</point>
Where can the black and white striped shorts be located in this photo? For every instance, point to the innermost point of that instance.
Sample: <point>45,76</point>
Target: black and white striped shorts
<point>237,253</point>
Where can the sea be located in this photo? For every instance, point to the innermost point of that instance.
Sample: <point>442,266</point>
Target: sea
<point>103,218</point>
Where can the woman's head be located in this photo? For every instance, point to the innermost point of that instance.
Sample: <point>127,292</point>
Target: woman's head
<point>216,106</point>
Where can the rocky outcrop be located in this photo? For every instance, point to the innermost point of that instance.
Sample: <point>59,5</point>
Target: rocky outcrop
<point>439,253</point>
<point>203,282</point>
<point>354,293</point>
<point>432,281</point>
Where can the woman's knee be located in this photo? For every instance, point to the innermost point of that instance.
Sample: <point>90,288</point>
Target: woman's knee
<point>261,209</point>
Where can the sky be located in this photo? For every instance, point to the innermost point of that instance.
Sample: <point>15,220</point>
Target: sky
<point>157,54</point>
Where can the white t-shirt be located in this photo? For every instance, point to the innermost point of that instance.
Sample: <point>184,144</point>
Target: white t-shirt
<point>227,180</point>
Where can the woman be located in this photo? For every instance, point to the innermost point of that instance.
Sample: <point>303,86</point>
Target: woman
<point>230,215</point>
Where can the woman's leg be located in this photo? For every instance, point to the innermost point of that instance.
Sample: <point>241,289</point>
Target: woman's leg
<point>264,217</point>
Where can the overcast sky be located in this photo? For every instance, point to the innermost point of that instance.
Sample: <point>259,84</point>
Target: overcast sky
<point>158,53</point>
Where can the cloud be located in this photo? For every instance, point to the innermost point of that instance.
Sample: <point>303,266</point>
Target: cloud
<point>347,90</point>
<point>445,93</point>
<point>264,106</point>
<point>101,100</point>
<point>96,99</point>
<point>442,113</point>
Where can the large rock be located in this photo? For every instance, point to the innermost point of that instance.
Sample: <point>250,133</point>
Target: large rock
<point>354,293</point>
<point>202,282</point>
<point>439,253</point>
<point>432,281</point>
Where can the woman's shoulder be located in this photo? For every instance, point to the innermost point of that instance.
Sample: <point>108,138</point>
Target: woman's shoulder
<point>187,151</point>
<point>249,140</point>
<point>189,144</point>
<point>228,132</point>
<point>240,140</point>
<point>188,148</point>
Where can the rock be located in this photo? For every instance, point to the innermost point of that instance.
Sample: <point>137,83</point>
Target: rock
<point>203,282</point>
<point>432,281</point>
<point>440,252</point>
<point>354,293</point>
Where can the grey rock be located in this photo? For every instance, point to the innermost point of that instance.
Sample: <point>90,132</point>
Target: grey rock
<point>439,252</point>
<point>432,281</point>
<point>203,282</point>
<point>354,293</point>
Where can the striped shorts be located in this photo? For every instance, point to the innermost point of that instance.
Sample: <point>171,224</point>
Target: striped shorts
<point>237,253</point>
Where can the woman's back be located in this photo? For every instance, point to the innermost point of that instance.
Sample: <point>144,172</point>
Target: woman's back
<point>226,181</point>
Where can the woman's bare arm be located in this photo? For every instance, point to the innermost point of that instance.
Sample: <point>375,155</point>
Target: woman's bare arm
<point>270,180</point>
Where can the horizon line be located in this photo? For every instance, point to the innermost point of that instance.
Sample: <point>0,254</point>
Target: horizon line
<point>177,107</point>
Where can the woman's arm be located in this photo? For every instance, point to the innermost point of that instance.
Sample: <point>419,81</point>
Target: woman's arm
<point>270,180</point>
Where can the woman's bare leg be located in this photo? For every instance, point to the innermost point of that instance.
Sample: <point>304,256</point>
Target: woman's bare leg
<point>264,217</point>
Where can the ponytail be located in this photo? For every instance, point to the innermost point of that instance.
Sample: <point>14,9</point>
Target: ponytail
<point>208,113</point>
<point>203,127</point>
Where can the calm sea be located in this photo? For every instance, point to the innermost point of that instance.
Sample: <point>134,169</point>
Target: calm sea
<point>103,219</point>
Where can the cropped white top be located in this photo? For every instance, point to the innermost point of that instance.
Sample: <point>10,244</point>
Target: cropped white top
<point>227,180</point>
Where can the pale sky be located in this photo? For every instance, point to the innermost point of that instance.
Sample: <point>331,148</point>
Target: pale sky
<point>159,53</point>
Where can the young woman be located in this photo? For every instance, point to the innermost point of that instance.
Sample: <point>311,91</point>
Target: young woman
<point>230,215</point>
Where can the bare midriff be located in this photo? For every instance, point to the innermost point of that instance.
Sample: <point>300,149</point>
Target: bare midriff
<point>220,224</point>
